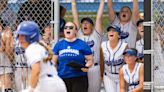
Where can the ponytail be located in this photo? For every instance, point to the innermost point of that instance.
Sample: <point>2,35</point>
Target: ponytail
<point>48,48</point>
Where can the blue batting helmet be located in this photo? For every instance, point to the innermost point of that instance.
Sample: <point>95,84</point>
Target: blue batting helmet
<point>30,29</point>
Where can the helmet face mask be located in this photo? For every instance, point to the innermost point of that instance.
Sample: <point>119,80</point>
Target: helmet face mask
<point>30,29</point>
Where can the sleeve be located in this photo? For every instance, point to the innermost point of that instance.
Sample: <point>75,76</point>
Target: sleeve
<point>35,55</point>
<point>86,49</point>
<point>116,21</point>
<point>56,48</point>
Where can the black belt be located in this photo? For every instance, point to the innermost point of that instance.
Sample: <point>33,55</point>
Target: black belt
<point>111,73</point>
<point>134,84</point>
<point>9,90</point>
<point>49,75</point>
<point>95,64</point>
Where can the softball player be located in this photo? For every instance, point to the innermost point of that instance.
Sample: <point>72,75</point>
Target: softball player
<point>21,68</point>
<point>113,57</point>
<point>132,72</point>
<point>126,20</point>
<point>43,73</point>
<point>140,43</point>
<point>92,36</point>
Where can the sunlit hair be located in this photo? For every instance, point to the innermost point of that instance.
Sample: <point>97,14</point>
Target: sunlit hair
<point>50,52</point>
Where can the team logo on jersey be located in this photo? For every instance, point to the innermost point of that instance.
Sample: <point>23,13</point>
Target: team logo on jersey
<point>69,52</point>
<point>91,43</point>
<point>115,62</point>
<point>19,50</point>
<point>68,47</point>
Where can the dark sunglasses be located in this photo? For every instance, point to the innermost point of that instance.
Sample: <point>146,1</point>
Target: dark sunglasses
<point>69,27</point>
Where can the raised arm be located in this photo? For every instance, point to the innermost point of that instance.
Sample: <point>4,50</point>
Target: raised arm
<point>135,15</point>
<point>111,12</point>
<point>75,13</point>
<point>99,18</point>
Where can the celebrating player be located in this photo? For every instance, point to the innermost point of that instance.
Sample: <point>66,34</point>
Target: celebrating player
<point>126,20</point>
<point>113,57</point>
<point>91,34</point>
<point>72,49</point>
<point>140,42</point>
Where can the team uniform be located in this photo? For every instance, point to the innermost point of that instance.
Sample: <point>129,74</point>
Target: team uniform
<point>140,47</point>
<point>113,60</point>
<point>94,41</point>
<point>129,27</point>
<point>21,68</point>
<point>132,78</point>
<point>75,80</point>
<point>48,78</point>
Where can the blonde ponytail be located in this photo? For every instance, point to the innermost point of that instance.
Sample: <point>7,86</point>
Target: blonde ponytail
<point>50,52</point>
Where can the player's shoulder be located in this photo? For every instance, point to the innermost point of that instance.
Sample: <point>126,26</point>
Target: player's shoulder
<point>80,42</point>
<point>104,43</point>
<point>35,47</point>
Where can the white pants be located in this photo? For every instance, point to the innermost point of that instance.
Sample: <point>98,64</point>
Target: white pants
<point>111,85</point>
<point>51,84</point>
<point>94,79</point>
<point>21,79</point>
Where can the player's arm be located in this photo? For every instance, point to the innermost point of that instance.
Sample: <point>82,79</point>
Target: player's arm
<point>99,18</point>
<point>2,47</point>
<point>111,12</point>
<point>35,74</point>
<point>101,63</point>
<point>89,62</point>
<point>75,13</point>
<point>141,80</point>
<point>55,58</point>
<point>122,81</point>
<point>135,15</point>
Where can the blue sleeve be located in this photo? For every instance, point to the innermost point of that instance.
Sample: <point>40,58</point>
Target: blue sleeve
<point>86,49</point>
<point>56,48</point>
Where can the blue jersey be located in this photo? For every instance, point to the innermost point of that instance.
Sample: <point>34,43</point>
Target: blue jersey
<point>71,51</point>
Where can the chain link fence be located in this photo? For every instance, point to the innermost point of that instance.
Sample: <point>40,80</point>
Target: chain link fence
<point>13,67</point>
<point>158,42</point>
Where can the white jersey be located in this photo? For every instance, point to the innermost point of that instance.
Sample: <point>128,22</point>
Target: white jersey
<point>113,58</point>
<point>129,27</point>
<point>140,46</point>
<point>36,53</point>
<point>94,41</point>
<point>132,78</point>
<point>48,75</point>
